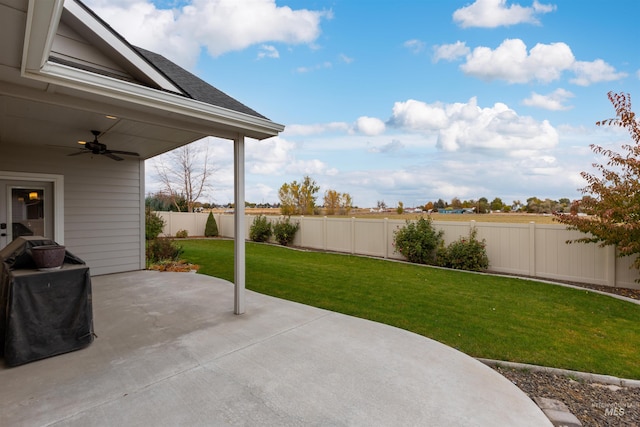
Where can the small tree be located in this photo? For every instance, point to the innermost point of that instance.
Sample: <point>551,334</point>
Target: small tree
<point>612,200</point>
<point>184,173</point>
<point>285,231</point>
<point>260,230</point>
<point>497,204</point>
<point>465,253</point>
<point>158,249</point>
<point>153,224</point>
<point>346,203</point>
<point>335,202</point>
<point>418,241</point>
<point>331,201</point>
<point>298,198</point>
<point>211,228</point>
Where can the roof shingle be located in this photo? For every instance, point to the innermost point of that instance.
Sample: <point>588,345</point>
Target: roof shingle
<point>193,86</point>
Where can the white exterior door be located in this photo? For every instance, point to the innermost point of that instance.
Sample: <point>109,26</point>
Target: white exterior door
<point>26,209</point>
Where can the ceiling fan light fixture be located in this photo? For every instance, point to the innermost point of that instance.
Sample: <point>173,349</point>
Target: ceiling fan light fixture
<point>97,148</point>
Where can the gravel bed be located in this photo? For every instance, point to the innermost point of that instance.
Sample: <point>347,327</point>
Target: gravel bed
<point>593,403</point>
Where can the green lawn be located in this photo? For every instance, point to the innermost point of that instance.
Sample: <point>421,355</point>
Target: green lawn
<point>484,316</point>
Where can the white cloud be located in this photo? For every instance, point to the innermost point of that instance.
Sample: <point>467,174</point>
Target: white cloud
<point>220,26</point>
<point>394,145</point>
<point>321,66</point>
<point>314,129</point>
<point>544,63</point>
<point>414,45</point>
<point>369,126</point>
<point>466,126</point>
<point>270,156</point>
<point>593,72</point>
<point>346,59</point>
<point>310,167</point>
<point>277,156</point>
<point>450,52</point>
<point>268,51</point>
<point>553,101</point>
<point>417,115</point>
<point>496,13</point>
<point>511,62</point>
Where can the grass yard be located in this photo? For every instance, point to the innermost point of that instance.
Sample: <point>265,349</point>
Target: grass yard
<point>500,318</point>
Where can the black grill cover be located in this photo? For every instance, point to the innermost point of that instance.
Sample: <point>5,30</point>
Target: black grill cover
<point>42,313</point>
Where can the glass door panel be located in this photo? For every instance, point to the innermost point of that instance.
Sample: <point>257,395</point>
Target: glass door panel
<point>27,212</point>
<point>26,209</point>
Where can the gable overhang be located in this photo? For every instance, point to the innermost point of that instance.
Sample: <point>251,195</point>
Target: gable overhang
<point>64,85</point>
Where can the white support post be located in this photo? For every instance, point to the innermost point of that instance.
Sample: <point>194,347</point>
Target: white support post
<point>239,225</point>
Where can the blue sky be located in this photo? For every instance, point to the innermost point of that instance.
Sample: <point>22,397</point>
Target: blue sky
<point>409,100</point>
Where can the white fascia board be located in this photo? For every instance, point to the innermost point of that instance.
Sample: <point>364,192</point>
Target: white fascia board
<point>117,44</point>
<point>42,24</point>
<point>132,93</point>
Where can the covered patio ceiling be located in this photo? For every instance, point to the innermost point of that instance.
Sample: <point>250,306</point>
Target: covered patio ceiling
<point>34,123</point>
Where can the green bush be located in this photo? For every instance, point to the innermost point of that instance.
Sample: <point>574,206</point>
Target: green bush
<point>260,229</point>
<point>182,234</point>
<point>153,224</point>
<point>285,231</point>
<point>163,249</point>
<point>418,241</point>
<point>211,228</point>
<point>465,254</point>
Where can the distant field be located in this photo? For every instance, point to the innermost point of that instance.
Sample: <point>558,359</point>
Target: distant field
<point>494,217</point>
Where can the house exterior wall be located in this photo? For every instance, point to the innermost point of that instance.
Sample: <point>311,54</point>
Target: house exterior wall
<point>103,204</point>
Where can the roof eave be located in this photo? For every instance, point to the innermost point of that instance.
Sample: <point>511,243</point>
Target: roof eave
<point>42,22</point>
<point>73,78</point>
<point>41,27</point>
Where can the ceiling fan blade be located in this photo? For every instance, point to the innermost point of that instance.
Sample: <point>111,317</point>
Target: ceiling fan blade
<point>83,151</point>
<point>126,153</point>
<point>112,156</point>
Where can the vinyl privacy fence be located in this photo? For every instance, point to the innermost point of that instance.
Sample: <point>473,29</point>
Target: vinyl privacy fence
<point>536,250</point>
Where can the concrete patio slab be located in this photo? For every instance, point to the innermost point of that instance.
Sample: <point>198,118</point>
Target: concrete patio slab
<point>169,351</point>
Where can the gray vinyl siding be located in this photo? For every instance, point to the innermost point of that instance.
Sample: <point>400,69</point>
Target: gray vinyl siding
<point>103,204</point>
<point>72,47</point>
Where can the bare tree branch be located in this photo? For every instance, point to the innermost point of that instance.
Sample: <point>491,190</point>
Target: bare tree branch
<point>185,172</point>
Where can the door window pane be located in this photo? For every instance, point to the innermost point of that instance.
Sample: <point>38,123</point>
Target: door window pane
<point>27,212</point>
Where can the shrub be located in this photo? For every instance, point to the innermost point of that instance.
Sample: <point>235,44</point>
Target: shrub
<point>163,249</point>
<point>418,241</point>
<point>260,229</point>
<point>465,254</point>
<point>211,228</point>
<point>153,224</point>
<point>182,234</point>
<point>285,231</point>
